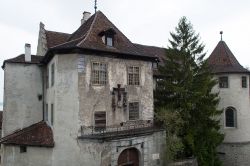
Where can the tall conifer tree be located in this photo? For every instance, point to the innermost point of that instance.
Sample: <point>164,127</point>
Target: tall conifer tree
<point>186,90</point>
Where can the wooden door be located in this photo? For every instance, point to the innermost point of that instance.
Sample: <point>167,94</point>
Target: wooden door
<point>129,157</point>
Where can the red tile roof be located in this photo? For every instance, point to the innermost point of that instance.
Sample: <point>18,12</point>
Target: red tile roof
<point>35,59</point>
<point>39,134</point>
<point>158,52</point>
<point>56,38</point>
<point>87,36</point>
<point>222,60</point>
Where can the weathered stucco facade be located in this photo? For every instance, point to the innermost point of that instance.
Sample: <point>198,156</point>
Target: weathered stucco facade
<point>22,88</point>
<point>34,156</point>
<point>75,98</point>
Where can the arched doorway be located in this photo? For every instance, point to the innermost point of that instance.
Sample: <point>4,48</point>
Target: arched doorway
<point>129,157</point>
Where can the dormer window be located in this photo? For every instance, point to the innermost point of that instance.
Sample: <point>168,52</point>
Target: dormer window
<point>109,41</point>
<point>108,37</point>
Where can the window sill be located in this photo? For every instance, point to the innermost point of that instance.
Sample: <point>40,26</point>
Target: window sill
<point>230,128</point>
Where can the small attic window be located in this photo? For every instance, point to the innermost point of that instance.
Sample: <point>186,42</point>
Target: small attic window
<point>109,41</point>
<point>108,37</point>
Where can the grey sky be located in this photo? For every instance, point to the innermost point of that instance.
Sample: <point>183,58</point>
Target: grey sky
<point>142,21</point>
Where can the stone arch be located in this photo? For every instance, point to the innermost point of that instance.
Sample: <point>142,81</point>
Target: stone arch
<point>129,157</point>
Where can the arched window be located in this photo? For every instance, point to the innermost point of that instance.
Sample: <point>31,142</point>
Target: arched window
<point>230,116</point>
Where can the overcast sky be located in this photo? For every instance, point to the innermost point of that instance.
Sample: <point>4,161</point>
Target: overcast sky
<point>142,21</point>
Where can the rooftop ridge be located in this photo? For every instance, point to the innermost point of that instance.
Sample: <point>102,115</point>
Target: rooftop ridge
<point>89,30</point>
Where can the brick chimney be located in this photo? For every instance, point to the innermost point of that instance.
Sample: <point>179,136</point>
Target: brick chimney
<point>86,16</point>
<point>27,56</point>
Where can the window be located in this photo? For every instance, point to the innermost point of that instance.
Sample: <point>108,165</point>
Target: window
<point>46,113</point>
<point>23,149</point>
<point>244,82</point>
<point>134,111</point>
<point>100,120</point>
<point>108,36</point>
<point>52,114</point>
<point>154,65</point>
<point>99,73</point>
<point>109,41</point>
<point>223,82</point>
<point>133,75</point>
<point>230,116</point>
<point>52,74</point>
<point>47,78</point>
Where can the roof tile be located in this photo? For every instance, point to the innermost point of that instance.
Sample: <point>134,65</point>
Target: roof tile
<point>39,134</point>
<point>56,38</point>
<point>35,59</point>
<point>222,60</point>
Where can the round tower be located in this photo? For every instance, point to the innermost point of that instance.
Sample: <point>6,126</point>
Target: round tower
<point>233,88</point>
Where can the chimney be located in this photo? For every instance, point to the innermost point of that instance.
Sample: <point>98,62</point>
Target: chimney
<point>27,56</point>
<point>85,17</point>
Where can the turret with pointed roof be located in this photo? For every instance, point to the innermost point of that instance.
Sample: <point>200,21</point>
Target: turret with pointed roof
<point>222,60</point>
<point>233,90</point>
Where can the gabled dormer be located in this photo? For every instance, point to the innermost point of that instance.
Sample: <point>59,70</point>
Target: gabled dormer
<point>108,37</point>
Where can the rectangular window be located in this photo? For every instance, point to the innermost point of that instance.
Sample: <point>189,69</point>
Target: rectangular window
<point>100,120</point>
<point>99,73</point>
<point>133,75</point>
<point>134,111</point>
<point>244,82</point>
<point>47,78</point>
<point>223,82</point>
<point>109,41</point>
<point>52,74</point>
<point>52,114</point>
<point>23,149</point>
<point>154,65</point>
<point>46,113</point>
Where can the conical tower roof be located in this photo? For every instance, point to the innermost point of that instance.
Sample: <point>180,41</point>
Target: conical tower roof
<point>222,60</point>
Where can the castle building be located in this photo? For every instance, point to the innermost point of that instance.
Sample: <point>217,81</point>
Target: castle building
<point>233,89</point>
<point>85,99</point>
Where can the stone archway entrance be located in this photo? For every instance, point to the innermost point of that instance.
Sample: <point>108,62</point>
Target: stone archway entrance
<point>129,157</point>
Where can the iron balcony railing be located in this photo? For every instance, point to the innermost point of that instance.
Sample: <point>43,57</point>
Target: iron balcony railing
<point>123,130</point>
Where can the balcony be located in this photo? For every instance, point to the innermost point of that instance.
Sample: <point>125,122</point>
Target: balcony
<point>123,130</point>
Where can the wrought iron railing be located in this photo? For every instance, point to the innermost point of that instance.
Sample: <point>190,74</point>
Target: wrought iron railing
<point>121,130</point>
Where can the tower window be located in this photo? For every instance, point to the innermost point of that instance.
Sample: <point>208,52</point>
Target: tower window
<point>230,117</point>
<point>223,82</point>
<point>244,82</point>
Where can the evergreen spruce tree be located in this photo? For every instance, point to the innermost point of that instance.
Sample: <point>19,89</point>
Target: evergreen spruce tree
<point>186,90</point>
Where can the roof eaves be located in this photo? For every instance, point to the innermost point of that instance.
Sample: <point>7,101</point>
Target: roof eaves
<point>76,49</point>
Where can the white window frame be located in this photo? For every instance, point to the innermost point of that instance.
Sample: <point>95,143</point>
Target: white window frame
<point>99,82</point>
<point>134,83</point>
